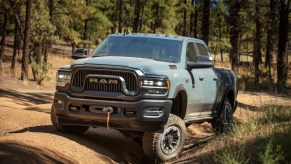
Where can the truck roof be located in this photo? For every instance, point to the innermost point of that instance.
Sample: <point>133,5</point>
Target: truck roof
<point>159,36</point>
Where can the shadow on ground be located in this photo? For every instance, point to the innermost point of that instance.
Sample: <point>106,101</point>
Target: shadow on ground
<point>109,143</point>
<point>31,97</point>
<point>16,152</point>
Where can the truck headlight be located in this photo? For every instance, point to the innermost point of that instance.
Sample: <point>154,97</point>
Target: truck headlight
<point>155,86</point>
<point>63,78</point>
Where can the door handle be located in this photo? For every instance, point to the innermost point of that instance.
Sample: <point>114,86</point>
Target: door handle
<point>215,78</point>
<point>201,78</point>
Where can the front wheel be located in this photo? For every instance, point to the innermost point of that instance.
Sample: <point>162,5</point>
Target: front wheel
<point>223,123</point>
<point>166,145</point>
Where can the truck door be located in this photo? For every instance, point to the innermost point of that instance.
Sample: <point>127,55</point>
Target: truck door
<point>194,85</point>
<point>208,79</point>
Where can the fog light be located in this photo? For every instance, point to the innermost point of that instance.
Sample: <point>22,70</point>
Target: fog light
<point>58,104</point>
<point>153,111</point>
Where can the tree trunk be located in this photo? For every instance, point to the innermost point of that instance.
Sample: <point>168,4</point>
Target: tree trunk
<point>24,73</point>
<point>73,47</point>
<point>136,16</point>
<point>191,20</point>
<point>45,50</point>
<point>37,60</point>
<point>257,44</point>
<point>205,21</point>
<point>184,18</point>
<point>282,61</point>
<point>85,36</point>
<point>16,15</point>
<point>15,49</point>
<point>51,8</point>
<point>85,30</point>
<point>156,19</point>
<point>195,21</point>
<point>220,36</point>
<point>2,43</point>
<point>142,15</point>
<point>270,38</point>
<point>120,21</point>
<point>234,33</point>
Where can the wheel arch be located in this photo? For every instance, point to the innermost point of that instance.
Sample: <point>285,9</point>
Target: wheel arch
<point>231,96</point>
<point>180,101</point>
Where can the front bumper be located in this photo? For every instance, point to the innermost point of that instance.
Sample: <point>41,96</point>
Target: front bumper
<point>127,115</point>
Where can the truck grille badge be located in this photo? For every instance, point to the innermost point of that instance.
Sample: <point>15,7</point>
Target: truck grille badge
<point>103,81</point>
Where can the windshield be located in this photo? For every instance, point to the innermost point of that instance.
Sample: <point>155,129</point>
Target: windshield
<point>140,47</point>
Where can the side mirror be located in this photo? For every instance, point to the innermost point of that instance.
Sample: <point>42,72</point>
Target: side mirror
<point>193,65</point>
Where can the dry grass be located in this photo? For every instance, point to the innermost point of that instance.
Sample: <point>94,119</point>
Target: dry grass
<point>54,60</point>
<point>261,134</point>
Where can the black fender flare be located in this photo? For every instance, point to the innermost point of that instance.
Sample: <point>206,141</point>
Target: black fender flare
<point>225,94</point>
<point>181,89</point>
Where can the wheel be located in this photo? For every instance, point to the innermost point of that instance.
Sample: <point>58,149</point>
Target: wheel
<point>66,128</point>
<point>223,123</point>
<point>166,145</point>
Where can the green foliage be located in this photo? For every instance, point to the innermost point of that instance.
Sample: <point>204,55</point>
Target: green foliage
<point>84,22</point>
<point>263,139</point>
<point>43,73</point>
<point>231,156</point>
<point>40,26</point>
<point>271,155</point>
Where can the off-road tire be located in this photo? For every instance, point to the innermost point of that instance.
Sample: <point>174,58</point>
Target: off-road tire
<point>152,142</point>
<point>224,122</point>
<point>66,128</point>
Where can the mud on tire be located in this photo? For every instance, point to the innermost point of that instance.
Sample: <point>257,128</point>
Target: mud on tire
<point>166,145</point>
<point>66,128</point>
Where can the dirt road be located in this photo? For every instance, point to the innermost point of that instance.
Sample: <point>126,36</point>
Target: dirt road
<point>27,136</point>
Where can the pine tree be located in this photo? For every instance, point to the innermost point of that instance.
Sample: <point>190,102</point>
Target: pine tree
<point>24,73</point>
<point>205,21</point>
<point>282,61</point>
<point>234,32</point>
<point>3,38</point>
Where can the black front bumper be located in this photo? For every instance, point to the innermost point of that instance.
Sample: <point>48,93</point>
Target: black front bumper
<point>136,121</point>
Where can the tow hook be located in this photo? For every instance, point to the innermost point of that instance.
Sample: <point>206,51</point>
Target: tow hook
<point>108,110</point>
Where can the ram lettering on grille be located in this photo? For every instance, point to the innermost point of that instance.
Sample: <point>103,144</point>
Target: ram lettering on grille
<point>103,81</point>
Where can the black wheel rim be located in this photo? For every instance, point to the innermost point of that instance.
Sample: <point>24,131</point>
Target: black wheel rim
<point>171,139</point>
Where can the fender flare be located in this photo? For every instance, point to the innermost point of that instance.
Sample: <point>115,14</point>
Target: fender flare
<point>181,89</point>
<point>232,102</point>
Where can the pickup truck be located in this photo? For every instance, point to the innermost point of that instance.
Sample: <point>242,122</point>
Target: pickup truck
<point>149,87</point>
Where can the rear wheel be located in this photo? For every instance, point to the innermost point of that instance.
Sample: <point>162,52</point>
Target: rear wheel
<point>66,128</point>
<point>223,123</point>
<point>166,145</point>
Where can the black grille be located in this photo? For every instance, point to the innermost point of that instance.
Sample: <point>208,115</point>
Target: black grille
<point>78,80</point>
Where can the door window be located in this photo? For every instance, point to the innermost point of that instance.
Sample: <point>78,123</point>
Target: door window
<point>202,49</point>
<point>190,52</point>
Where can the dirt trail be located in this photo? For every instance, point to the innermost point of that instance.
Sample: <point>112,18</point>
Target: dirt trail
<point>26,133</point>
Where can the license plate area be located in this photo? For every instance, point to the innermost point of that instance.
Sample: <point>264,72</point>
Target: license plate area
<point>99,109</point>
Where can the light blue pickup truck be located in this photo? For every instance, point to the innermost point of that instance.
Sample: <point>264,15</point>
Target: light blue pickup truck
<point>149,87</point>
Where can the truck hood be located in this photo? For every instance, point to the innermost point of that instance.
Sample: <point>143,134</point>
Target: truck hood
<point>147,66</point>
